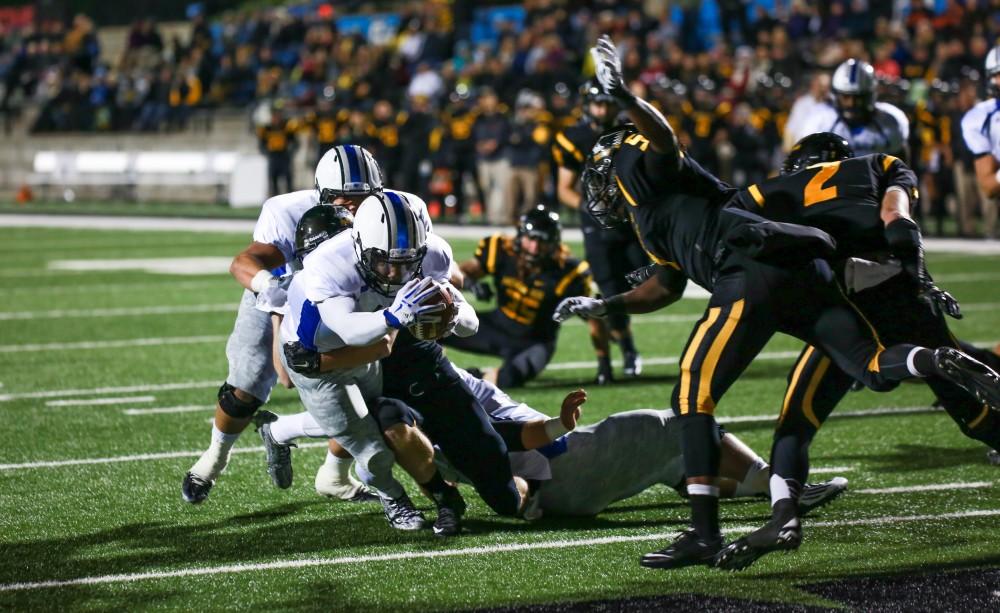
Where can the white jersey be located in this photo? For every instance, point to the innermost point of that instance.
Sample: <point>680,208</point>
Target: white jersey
<point>331,272</point>
<point>279,217</point>
<point>981,128</point>
<point>887,132</point>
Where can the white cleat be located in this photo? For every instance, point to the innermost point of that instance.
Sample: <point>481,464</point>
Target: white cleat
<point>329,484</point>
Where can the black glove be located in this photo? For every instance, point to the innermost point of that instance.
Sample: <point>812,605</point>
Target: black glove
<point>604,373</point>
<point>301,360</point>
<point>640,275</point>
<point>482,291</point>
<point>942,301</point>
<point>903,236</point>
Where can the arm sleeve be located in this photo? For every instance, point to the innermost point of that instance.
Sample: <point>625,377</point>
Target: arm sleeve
<point>357,329</point>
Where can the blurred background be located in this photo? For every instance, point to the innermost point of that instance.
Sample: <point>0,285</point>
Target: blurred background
<point>159,101</point>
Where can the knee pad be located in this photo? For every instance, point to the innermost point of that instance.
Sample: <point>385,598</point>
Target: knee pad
<point>233,406</point>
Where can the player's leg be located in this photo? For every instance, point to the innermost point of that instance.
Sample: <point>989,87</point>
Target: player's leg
<point>628,256</point>
<point>722,345</point>
<point>525,364</point>
<point>598,256</point>
<point>247,387</point>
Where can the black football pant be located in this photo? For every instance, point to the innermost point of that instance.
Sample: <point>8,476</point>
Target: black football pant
<point>816,385</point>
<point>523,358</point>
<point>418,374</point>
<point>612,254</point>
<point>750,302</point>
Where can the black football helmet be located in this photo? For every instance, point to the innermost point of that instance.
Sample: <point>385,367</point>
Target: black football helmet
<point>543,225</point>
<point>318,224</point>
<point>604,201</point>
<point>816,149</point>
<point>591,93</point>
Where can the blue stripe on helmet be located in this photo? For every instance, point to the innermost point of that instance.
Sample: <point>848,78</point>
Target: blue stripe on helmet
<point>352,161</point>
<point>309,321</point>
<point>854,72</point>
<point>402,228</point>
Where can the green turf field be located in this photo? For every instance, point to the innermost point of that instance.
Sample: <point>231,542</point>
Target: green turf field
<point>90,476</point>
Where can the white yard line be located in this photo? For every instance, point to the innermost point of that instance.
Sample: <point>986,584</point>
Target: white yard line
<point>449,553</point>
<point>933,487</point>
<point>86,402</point>
<point>128,389</point>
<point>830,470</point>
<point>126,342</point>
<point>187,408</point>
<point>120,311</point>
<point>141,457</point>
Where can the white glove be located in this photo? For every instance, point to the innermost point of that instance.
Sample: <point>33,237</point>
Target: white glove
<point>408,305</point>
<point>609,70</point>
<point>262,281</point>
<point>272,300</point>
<point>587,308</point>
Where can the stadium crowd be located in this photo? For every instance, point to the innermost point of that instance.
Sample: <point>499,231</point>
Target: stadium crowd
<point>480,112</point>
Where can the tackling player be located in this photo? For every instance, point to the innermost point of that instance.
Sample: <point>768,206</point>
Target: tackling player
<point>981,131</point>
<point>531,272</point>
<point>764,277</point>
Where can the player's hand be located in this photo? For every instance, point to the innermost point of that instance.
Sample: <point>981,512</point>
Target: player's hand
<point>582,306</point>
<point>272,300</point>
<point>408,305</point>
<point>482,291</point>
<point>943,301</point>
<point>609,70</point>
<point>569,414</point>
<point>302,360</point>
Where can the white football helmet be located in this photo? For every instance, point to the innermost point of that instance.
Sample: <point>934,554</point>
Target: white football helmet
<point>992,66</point>
<point>853,86</point>
<point>390,241</point>
<point>347,170</point>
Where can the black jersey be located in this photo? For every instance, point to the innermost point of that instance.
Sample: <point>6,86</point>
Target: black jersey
<point>843,198</point>
<point>674,205</point>
<point>570,149</point>
<point>527,303</point>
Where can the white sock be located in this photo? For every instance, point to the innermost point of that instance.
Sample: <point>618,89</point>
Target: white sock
<point>698,489</point>
<point>216,457</point>
<point>755,481</point>
<point>779,489</point>
<point>910,366</point>
<point>290,427</point>
<point>340,466</point>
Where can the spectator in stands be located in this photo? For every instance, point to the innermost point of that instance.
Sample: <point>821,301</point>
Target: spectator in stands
<point>527,146</point>
<point>277,142</point>
<point>967,194</point>
<point>491,133</point>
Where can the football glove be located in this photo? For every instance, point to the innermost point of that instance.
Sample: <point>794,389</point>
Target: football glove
<point>582,306</point>
<point>942,301</point>
<point>408,305</point>
<point>302,360</point>
<point>272,300</point>
<point>640,275</point>
<point>481,290</point>
<point>609,70</point>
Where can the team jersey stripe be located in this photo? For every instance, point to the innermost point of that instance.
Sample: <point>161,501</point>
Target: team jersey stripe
<point>887,162</point>
<point>757,196</point>
<point>402,225</point>
<point>705,403</point>
<point>796,375</point>
<point>352,162</point>
<point>684,394</point>
<point>624,191</point>
<point>568,145</point>
<point>581,268</point>
<point>309,321</point>
<point>814,381</point>
<point>491,258</point>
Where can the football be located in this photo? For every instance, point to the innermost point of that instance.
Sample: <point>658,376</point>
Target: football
<point>430,331</point>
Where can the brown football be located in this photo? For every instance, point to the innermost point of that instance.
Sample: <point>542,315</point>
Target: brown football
<point>432,331</point>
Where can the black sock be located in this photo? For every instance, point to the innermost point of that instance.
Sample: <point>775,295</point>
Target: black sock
<point>627,343</point>
<point>785,509</point>
<point>923,361</point>
<point>705,515</point>
<point>437,484</point>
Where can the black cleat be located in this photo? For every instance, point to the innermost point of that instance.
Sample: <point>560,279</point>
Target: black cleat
<point>775,535</point>
<point>687,550</point>
<point>633,364</point>
<point>279,456</point>
<point>364,495</point>
<point>194,489</point>
<point>450,509</point>
<point>970,374</point>
<point>815,495</point>
<point>402,515</point>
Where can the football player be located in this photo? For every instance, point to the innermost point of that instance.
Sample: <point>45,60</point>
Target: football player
<point>981,131</point>
<point>868,125</point>
<point>764,277</point>
<point>344,176</point>
<point>612,253</point>
<point>864,203</point>
<point>531,273</point>
<point>353,290</point>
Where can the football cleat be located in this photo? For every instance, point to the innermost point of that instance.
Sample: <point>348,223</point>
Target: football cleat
<point>279,456</point>
<point>993,456</point>
<point>450,509</point>
<point>688,549</point>
<point>195,489</point>
<point>633,364</point>
<point>402,515</point>
<point>815,495</point>
<point>968,373</point>
<point>775,535</point>
<point>328,484</point>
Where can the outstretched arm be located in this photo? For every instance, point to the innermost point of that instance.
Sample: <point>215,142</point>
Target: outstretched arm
<point>662,289</point>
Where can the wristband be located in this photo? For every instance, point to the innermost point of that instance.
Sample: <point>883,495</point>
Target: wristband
<point>554,428</point>
<point>391,320</point>
<point>263,280</point>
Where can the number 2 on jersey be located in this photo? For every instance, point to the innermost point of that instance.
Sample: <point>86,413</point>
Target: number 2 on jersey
<point>815,192</point>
